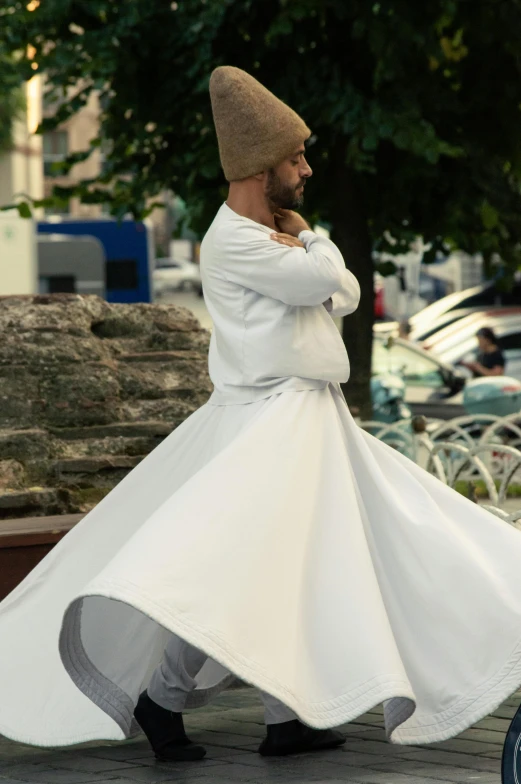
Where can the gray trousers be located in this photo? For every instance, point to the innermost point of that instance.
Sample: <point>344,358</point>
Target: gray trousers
<point>174,679</point>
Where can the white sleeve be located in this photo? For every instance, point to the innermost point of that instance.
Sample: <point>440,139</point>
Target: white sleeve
<point>346,299</point>
<point>295,276</point>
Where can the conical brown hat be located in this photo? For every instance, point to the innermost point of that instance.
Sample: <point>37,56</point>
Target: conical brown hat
<point>255,130</point>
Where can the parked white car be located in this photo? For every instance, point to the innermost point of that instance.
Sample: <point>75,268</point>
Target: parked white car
<point>486,295</point>
<point>173,275</point>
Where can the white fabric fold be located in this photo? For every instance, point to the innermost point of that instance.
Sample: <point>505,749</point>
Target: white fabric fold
<point>382,584</point>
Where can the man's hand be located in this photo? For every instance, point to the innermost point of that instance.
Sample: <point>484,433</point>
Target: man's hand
<point>290,222</point>
<point>287,239</point>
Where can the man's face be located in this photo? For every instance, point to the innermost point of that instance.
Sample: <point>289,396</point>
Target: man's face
<point>285,183</point>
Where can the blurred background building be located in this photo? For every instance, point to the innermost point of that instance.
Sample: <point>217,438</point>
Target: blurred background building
<point>27,168</point>
<point>21,167</point>
<point>73,136</point>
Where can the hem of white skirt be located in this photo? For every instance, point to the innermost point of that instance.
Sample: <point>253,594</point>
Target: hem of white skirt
<point>95,733</point>
<point>94,684</point>
<point>342,709</point>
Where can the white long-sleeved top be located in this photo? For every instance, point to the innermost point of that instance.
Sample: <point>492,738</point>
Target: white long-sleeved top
<point>272,308</point>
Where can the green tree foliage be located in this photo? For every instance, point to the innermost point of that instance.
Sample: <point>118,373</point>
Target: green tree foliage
<point>415,108</point>
<point>12,102</point>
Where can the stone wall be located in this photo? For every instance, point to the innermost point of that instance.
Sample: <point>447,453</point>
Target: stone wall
<point>87,389</point>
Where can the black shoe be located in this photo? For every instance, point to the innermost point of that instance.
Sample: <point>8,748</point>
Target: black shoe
<point>293,737</point>
<point>165,732</point>
<point>511,762</point>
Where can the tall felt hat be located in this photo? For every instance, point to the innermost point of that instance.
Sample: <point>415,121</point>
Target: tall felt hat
<point>255,130</point>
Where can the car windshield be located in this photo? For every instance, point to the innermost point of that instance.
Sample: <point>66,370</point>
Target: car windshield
<point>425,331</point>
<point>467,349</point>
<point>455,333</point>
<point>466,298</point>
<point>416,369</point>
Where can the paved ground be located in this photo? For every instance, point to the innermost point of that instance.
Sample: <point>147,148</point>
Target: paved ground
<point>231,729</point>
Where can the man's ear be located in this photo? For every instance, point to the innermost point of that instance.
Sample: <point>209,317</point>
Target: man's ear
<point>260,176</point>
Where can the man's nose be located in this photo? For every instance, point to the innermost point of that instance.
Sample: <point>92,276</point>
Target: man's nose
<point>306,171</point>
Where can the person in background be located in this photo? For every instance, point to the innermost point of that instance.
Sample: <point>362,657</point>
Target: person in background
<point>490,359</point>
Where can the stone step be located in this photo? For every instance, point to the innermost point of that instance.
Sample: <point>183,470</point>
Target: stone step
<point>24,444</point>
<point>173,410</point>
<point>35,501</point>
<point>117,446</point>
<point>141,319</point>
<point>174,341</point>
<point>100,473</point>
<point>163,356</point>
<point>93,465</point>
<point>148,429</point>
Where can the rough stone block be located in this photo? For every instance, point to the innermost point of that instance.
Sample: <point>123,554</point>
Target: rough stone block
<point>24,444</point>
<point>80,380</point>
<point>59,313</point>
<point>42,348</point>
<point>12,474</point>
<point>177,340</point>
<point>38,502</point>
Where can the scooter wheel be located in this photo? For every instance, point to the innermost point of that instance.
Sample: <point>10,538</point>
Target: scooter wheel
<point>511,761</point>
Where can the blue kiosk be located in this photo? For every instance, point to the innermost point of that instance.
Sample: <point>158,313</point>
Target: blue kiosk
<point>129,251</point>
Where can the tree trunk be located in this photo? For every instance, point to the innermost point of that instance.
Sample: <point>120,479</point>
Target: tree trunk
<point>351,235</point>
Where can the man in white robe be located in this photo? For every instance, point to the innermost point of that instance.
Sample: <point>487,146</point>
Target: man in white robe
<point>262,149</point>
<point>268,530</point>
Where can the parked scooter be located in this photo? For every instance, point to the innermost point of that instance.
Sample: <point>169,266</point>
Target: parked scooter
<point>388,398</point>
<point>497,395</point>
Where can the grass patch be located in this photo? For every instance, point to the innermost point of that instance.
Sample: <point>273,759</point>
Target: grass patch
<point>479,489</point>
<point>88,496</point>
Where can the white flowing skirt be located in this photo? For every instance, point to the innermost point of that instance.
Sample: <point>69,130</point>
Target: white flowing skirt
<point>300,554</point>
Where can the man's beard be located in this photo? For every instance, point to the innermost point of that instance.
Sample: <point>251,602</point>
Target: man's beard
<point>283,196</point>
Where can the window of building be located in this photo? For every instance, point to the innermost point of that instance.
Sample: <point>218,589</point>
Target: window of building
<point>63,208</point>
<point>121,274</point>
<point>54,284</point>
<point>105,150</point>
<point>55,149</point>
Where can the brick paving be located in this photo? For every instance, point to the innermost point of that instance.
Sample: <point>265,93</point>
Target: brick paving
<point>231,729</point>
